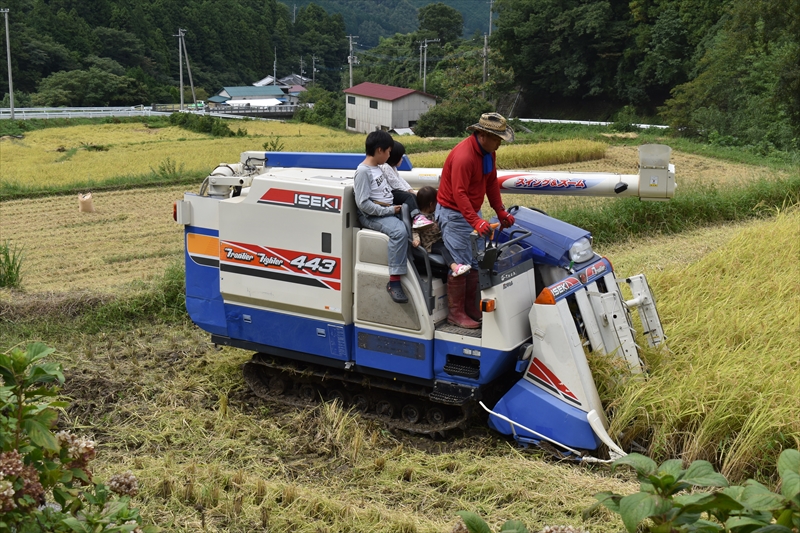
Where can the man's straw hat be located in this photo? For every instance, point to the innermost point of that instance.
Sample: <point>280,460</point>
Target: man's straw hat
<point>495,124</point>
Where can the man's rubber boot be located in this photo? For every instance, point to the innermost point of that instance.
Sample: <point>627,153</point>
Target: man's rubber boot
<point>455,302</point>
<point>471,305</point>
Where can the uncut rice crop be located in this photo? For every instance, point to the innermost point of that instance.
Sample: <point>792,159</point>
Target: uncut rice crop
<point>514,156</point>
<point>727,390</point>
<point>59,156</point>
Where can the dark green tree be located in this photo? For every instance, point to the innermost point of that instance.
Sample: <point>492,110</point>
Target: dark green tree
<point>321,36</point>
<point>562,48</point>
<point>322,107</point>
<point>451,118</point>
<point>747,89</point>
<point>92,87</point>
<point>445,22</point>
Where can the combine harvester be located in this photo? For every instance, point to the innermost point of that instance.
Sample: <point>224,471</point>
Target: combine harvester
<point>276,263</point>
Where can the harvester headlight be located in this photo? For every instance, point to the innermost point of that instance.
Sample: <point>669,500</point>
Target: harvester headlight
<point>581,251</point>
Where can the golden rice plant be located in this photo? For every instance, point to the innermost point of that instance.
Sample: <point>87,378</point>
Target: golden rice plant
<point>727,392</point>
<point>520,156</point>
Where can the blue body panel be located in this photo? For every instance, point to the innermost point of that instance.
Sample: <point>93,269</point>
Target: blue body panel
<point>494,363</point>
<point>535,409</point>
<point>312,336</point>
<point>323,160</point>
<point>550,238</point>
<point>407,356</point>
<point>203,299</point>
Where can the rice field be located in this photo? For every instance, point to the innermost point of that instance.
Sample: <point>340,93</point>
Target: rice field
<point>736,333</point>
<point>163,403</point>
<point>130,237</point>
<point>137,225</point>
<point>167,406</point>
<point>94,153</point>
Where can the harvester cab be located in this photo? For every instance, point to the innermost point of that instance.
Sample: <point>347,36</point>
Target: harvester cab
<point>276,263</point>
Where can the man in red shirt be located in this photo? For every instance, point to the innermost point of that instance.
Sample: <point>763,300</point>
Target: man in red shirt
<point>468,175</point>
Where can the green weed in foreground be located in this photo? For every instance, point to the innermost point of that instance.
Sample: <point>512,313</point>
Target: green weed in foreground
<point>37,465</point>
<point>476,524</point>
<point>668,497</point>
<point>10,266</point>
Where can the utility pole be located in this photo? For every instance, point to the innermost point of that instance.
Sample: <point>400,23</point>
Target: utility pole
<point>294,14</point>
<point>313,69</point>
<point>425,65</point>
<point>490,17</point>
<point>180,63</point>
<point>8,54</point>
<point>420,58</point>
<point>485,63</point>
<point>188,66</point>
<point>275,68</point>
<point>301,69</point>
<point>351,58</point>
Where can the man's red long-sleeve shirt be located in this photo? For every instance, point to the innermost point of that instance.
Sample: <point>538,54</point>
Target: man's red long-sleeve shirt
<point>463,183</point>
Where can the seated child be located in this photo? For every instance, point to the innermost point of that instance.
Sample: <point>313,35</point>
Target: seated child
<point>431,236</point>
<point>401,190</point>
<point>375,210</point>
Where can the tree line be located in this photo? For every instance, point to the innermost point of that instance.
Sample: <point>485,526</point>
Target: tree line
<point>727,71</point>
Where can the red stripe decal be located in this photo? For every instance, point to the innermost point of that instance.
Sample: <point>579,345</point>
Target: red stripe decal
<point>539,370</point>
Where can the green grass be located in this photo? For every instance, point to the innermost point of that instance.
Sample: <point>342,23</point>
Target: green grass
<point>10,265</point>
<point>165,175</point>
<point>20,127</point>
<point>56,316</point>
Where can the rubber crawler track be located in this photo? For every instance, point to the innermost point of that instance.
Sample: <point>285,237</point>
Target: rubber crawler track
<point>397,405</point>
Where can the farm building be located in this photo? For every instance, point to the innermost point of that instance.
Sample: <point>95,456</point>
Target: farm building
<point>249,94</point>
<point>291,85</point>
<point>372,106</point>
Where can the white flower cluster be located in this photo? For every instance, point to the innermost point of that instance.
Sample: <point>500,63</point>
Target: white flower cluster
<point>7,496</point>
<point>10,464</point>
<point>77,447</point>
<point>124,484</point>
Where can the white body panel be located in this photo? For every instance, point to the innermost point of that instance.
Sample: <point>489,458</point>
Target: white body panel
<point>508,325</point>
<point>284,258</point>
<point>559,347</point>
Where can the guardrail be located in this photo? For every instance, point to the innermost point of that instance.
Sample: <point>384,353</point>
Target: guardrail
<point>586,123</point>
<point>258,111</point>
<point>24,113</point>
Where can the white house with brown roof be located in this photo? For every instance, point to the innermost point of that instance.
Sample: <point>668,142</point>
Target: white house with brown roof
<point>372,106</point>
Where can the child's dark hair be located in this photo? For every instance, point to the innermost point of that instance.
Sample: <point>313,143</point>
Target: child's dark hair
<point>398,151</point>
<point>426,198</point>
<point>378,139</point>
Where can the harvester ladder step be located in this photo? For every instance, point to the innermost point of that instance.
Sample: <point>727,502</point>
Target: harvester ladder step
<point>455,369</point>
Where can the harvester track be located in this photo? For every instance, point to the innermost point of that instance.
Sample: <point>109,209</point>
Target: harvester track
<point>397,405</point>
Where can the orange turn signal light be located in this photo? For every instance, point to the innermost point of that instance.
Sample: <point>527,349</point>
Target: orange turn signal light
<point>488,305</point>
<point>546,297</point>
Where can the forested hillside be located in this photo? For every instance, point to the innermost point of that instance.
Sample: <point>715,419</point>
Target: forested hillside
<point>727,71</point>
<point>370,19</point>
